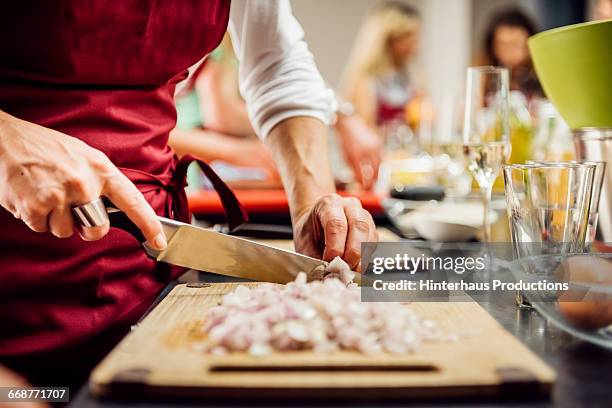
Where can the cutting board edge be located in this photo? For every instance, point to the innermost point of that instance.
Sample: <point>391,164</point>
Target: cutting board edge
<point>545,377</point>
<point>530,391</point>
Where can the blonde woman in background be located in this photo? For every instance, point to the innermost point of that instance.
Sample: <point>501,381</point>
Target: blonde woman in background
<point>380,79</point>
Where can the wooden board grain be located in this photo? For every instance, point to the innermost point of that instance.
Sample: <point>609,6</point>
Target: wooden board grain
<point>157,358</point>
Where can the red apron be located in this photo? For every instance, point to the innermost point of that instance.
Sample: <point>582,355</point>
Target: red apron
<point>104,72</point>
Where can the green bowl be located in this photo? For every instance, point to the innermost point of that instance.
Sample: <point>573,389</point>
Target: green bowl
<point>574,64</point>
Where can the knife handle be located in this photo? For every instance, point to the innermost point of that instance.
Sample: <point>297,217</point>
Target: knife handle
<point>97,212</point>
<point>118,219</point>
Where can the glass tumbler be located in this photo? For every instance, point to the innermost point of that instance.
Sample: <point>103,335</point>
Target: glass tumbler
<point>548,208</point>
<point>598,179</point>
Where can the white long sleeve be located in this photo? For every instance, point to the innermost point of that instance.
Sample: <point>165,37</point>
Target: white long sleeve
<point>278,77</point>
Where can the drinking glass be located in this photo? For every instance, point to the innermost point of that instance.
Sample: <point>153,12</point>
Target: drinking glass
<point>548,208</point>
<point>598,179</point>
<point>486,130</point>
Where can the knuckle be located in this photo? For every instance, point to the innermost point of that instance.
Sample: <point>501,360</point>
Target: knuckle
<point>335,224</point>
<point>353,201</point>
<point>98,160</point>
<point>49,197</point>
<point>133,199</point>
<point>331,199</point>
<point>6,202</point>
<point>35,224</point>
<point>361,223</point>
<point>38,228</point>
<point>77,186</point>
<point>333,251</point>
<point>353,254</point>
<point>32,210</point>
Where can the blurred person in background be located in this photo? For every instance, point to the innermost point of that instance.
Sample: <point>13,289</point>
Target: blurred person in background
<point>380,78</point>
<point>602,10</point>
<point>213,124</point>
<point>506,46</point>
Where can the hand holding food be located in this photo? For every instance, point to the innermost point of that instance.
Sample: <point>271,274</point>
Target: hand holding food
<point>335,226</point>
<point>44,173</point>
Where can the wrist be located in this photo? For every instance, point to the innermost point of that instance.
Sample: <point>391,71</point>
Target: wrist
<point>299,147</point>
<point>304,197</point>
<point>345,108</point>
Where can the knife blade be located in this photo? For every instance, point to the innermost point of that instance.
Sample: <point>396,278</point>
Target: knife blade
<point>202,249</point>
<point>210,251</point>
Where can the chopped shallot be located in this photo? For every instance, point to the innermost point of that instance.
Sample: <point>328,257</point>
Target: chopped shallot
<point>321,315</point>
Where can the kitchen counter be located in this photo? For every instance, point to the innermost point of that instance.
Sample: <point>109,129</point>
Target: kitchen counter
<point>584,371</point>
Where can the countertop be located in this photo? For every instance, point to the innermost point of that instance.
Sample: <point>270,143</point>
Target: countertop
<point>584,370</point>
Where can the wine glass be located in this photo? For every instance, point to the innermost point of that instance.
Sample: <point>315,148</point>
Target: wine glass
<point>486,130</point>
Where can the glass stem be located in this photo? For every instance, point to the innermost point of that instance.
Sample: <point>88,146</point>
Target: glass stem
<point>486,202</point>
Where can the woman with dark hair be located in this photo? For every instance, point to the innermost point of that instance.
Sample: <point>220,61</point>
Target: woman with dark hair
<point>506,46</point>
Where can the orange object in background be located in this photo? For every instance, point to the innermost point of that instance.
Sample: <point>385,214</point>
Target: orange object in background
<point>418,110</point>
<point>268,201</point>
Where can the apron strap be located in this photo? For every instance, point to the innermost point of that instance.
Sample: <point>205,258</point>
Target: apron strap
<point>234,211</point>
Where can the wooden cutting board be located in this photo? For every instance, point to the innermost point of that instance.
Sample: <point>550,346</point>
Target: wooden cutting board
<point>157,359</point>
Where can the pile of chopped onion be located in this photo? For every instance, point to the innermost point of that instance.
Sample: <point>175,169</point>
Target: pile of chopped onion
<point>321,315</point>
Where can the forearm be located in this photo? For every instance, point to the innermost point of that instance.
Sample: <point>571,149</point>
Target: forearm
<point>364,102</point>
<point>299,148</point>
<point>228,117</point>
<point>222,108</point>
<point>289,106</point>
<point>205,145</point>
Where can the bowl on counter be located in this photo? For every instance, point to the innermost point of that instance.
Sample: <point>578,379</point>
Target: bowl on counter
<point>444,231</point>
<point>574,66</point>
<point>446,221</point>
<point>585,309</point>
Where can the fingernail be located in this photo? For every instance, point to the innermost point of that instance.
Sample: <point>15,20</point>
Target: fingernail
<point>159,242</point>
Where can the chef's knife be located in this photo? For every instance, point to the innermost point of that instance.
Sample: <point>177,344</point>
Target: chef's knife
<point>210,251</point>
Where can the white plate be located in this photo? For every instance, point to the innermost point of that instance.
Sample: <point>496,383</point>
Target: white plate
<point>445,221</point>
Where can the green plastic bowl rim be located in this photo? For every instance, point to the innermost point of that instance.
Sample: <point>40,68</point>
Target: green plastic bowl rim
<point>568,28</point>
